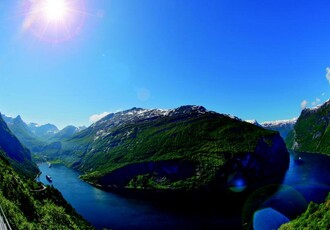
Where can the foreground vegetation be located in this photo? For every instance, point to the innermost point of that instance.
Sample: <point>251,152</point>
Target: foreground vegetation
<point>317,216</point>
<point>29,205</point>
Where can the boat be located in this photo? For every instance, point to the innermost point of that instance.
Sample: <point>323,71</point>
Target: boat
<point>49,178</point>
<point>49,165</point>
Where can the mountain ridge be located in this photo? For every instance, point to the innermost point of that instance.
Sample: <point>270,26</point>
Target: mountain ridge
<point>18,156</point>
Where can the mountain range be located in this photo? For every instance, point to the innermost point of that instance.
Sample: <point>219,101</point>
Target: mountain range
<point>184,149</point>
<point>35,136</point>
<point>284,127</point>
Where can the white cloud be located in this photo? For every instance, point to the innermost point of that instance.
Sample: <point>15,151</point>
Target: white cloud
<point>316,102</point>
<point>94,118</point>
<point>303,104</point>
<point>328,74</point>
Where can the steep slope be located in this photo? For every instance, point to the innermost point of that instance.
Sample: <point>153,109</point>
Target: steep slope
<point>315,217</point>
<point>23,132</point>
<point>28,206</point>
<point>185,148</point>
<point>284,127</point>
<point>35,136</point>
<point>311,132</point>
<point>18,156</point>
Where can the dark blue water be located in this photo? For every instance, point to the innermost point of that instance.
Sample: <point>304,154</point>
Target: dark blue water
<point>307,179</point>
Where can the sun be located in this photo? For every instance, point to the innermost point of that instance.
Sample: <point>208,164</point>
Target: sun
<point>55,10</point>
<point>54,21</point>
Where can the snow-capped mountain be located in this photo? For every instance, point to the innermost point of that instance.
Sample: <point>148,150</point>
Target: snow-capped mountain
<point>136,115</point>
<point>253,122</point>
<point>43,131</point>
<point>282,126</point>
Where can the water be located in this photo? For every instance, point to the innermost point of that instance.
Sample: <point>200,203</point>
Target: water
<point>307,179</point>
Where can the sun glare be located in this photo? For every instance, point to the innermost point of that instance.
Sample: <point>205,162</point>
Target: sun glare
<point>54,20</point>
<point>55,10</point>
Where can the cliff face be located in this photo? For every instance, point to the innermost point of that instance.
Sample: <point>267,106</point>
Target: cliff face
<point>311,132</point>
<point>18,156</point>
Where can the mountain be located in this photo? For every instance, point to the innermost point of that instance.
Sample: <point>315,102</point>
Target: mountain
<point>24,132</point>
<point>253,122</point>
<point>66,132</point>
<point>284,127</point>
<point>187,148</point>
<point>311,131</point>
<point>43,132</point>
<point>35,136</point>
<point>18,156</point>
<point>30,205</point>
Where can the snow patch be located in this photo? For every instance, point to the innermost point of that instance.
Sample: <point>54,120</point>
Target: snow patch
<point>279,122</point>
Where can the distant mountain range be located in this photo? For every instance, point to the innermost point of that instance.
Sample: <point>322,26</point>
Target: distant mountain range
<point>284,127</point>
<point>35,136</point>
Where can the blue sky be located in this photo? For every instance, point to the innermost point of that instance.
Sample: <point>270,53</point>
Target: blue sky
<point>252,59</point>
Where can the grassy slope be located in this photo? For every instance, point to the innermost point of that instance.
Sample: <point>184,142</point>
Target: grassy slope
<point>315,217</point>
<point>34,210</point>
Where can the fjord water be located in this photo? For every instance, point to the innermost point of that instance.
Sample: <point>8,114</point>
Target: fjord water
<point>307,179</point>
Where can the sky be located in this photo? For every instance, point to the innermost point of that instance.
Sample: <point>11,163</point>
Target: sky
<point>255,59</point>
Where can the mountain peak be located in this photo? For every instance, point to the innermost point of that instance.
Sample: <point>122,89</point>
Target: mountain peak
<point>18,118</point>
<point>253,122</point>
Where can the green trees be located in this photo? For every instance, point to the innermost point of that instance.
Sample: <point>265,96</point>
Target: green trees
<point>26,209</point>
<point>316,217</point>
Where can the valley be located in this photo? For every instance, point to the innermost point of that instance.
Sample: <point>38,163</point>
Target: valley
<point>176,164</point>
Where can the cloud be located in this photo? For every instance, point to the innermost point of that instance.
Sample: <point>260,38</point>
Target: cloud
<point>316,102</point>
<point>94,118</point>
<point>303,104</point>
<point>328,74</point>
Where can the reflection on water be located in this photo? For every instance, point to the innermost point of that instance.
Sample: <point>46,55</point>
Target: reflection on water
<point>307,179</point>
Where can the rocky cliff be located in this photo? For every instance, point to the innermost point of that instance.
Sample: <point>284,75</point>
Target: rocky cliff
<point>311,131</point>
